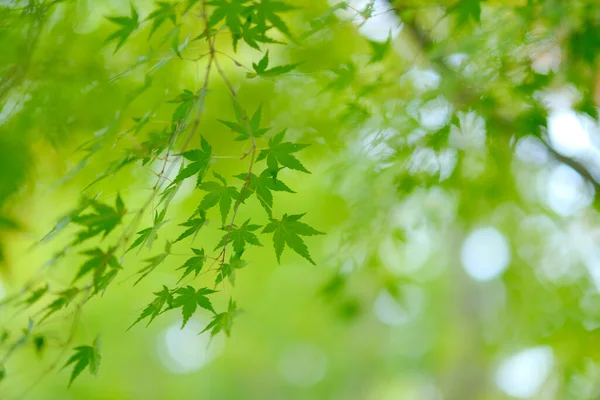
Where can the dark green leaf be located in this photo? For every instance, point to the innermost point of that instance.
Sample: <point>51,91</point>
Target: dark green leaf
<point>188,299</point>
<point>280,154</point>
<point>287,231</point>
<point>162,298</point>
<point>84,356</point>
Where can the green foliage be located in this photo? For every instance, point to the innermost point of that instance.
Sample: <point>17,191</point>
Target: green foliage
<point>218,193</point>
<point>246,129</point>
<point>98,262</point>
<point>223,322</point>
<point>127,25</point>
<point>399,145</point>
<point>188,299</point>
<point>84,356</point>
<point>163,299</point>
<point>287,231</point>
<point>261,70</point>
<point>200,161</point>
<point>193,264</point>
<point>280,154</point>
<point>239,236</point>
<point>102,221</point>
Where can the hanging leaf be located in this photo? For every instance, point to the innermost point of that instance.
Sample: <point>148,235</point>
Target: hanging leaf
<point>288,231</point>
<point>84,356</point>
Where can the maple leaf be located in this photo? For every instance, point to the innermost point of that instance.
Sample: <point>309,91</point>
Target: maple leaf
<point>152,310</point>
<point>467,9</point>
<point>261,68</point>
<point>223,321</point>
<point>36,295</point>
<point>200,161</point>
<point>233,12</point>
<point>127,26</point>
<point>164,11</point>
<point>267,13</point>
<point>241,126</point>
<point>102,221</point>
<point>185,101</point>
<point>380,50</point>
<point>149,235</point>
<point>194,225</point>
<point>188,299</point>
<point>228,270</point>
<point>280,153</point>
<point>287,231</point>
<point>63,299</point>
<point>85,356</point>
<point>193,264</point>
<point>63,222</point>
<point>239,236</point>
<point>345,76</point>
<point>153,263</point>
<point>98,262</point>
<point>218,193</point>
<point>262,186</point>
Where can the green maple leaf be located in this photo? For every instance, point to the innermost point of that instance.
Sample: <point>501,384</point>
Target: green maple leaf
<point>262,186</point>
<point>240,236</point>
<point>200,161</point>
<point>467,9</point>
<point>233,12</point>
<point>153,263</point>
<point>194,225</point>
<point>193,264</point>
<point>218,193</point>
<point>380,50</point>
<point>152,310</point>
<point>223,321</point>
<point>127,26</point>
<point>261,68</point>
<point>189,298</point>
<point>149,235</point>
<point>102,221</point>
<point>229,269</point>
<point>98,262</point>
<point>85,356</point>
<point>185,101</point>
<point>36,295</point>
<point>62,300</point>
<point>267,12</point>
<point>63,222</point>
<point>164,11</point>
<point>344,78</point>
<point>255,34</point>
<point>287,231</point>
<point>280,153</point>
<point>241,126</point>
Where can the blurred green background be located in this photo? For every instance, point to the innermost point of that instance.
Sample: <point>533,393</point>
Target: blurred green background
<point>455,168</point>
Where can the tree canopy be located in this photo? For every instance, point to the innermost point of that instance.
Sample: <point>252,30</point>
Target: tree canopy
<point>298,199</point>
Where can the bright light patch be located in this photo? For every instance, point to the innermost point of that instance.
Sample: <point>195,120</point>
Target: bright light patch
<point>390,312</point>
<point>531,150</point>
<point>183,351</point>
<point>567,133</point>
<point>566,191</point>
<point>523,374</point>
<point>485,254</point>
<point>434,114</point>
<point>424,79</point>
<point>382,23</point>
<point>470,133</point>
<point>303,365</point>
